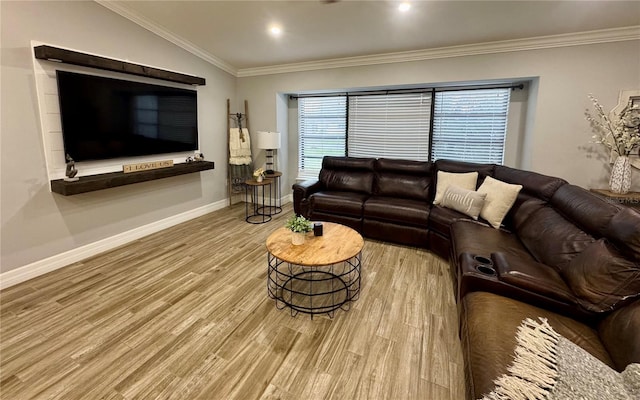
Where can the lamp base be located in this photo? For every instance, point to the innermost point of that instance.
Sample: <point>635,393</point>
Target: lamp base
<point>269,172</point>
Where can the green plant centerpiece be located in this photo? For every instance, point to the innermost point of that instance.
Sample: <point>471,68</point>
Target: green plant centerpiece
<point>299,226</point>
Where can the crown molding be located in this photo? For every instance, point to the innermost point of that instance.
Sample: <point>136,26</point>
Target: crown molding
<point>504,46</point>
<point>165,34</point>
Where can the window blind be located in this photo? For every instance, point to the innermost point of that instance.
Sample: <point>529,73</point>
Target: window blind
<point>389,126</point>
<point>322,128</point>
<point>470,125</point>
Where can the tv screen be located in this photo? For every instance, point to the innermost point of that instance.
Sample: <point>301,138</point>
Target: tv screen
<point>104,118</point>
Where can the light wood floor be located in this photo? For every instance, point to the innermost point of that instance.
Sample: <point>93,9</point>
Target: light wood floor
<point>184,314</point>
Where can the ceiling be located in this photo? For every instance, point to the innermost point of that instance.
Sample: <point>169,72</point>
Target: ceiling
<point>235,33</point>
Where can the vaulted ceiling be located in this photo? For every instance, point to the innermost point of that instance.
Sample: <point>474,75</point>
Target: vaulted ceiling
<point>234,34</point>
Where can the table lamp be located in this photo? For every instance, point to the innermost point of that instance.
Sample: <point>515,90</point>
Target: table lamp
<point>269,141</point>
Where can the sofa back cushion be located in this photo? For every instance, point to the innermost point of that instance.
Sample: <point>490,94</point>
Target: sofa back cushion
<point>483,170</point>
<point>534,186</point>
<point>347,174</point>
<point>402,178</point>
<point>624,231</point>
<point>524,206</point>
<point>601,278</point>
<point>620,225</point>
<point>550,238</point>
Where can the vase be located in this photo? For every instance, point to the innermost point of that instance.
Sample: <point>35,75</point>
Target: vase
<point>259,178</point>
<point>297,238</point>
<point>620,181</point>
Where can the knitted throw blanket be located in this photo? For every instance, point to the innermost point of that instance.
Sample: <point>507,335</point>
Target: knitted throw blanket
<point>547,366</point>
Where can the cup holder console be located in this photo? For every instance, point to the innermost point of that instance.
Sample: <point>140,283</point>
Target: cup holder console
<point>478,272</point>
<point>483,260</point>
<point>486,269</point>
<point>484,265</point>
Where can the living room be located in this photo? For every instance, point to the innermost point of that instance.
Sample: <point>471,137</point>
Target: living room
<point>42,231</point>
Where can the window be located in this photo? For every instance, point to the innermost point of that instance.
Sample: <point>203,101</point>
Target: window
<point>467,125</point>
<point>470,125</point>
<point>322,124</point>
<point>390,126</point>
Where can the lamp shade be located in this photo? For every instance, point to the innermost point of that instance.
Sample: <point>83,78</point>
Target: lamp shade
<point>268,140</point>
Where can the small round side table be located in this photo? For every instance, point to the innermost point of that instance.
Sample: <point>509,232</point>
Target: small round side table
<point>254,216</point>
<point>276,208</point>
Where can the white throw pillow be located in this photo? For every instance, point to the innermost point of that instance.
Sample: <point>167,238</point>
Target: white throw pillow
<point>500,198</point>
<point>467,180</point>
<point>468,202</point>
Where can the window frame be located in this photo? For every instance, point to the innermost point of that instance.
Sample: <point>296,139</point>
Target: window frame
<point>433,90</point>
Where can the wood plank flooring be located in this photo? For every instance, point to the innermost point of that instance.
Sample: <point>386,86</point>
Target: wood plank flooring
<point>184,314</point>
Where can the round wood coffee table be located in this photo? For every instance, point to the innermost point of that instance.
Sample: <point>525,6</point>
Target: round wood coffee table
<point>318,277</point>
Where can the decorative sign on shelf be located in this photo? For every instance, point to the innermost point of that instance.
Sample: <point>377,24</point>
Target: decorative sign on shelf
<point>145,166</point>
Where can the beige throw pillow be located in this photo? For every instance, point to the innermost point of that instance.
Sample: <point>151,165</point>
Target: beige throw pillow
<point>500,198</point>
<point>467,180</point>
<point>468,202</point>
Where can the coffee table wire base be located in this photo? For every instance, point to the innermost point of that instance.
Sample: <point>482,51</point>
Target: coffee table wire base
<point>314,289</point>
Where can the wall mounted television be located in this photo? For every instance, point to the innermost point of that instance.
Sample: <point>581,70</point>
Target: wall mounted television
<point>106,118</point>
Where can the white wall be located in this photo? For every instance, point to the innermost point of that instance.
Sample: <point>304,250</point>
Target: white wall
<point>556,131</point>
<point>37,224</point>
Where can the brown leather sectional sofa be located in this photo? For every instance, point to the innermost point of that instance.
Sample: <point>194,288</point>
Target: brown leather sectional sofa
<point>562,253</point>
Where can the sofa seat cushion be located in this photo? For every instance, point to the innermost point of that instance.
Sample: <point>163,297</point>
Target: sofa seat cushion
<point>342,203</point>
<point>488,330</point>
<point>401,211</point>
<point>479,239</point>
<point>441,218</point>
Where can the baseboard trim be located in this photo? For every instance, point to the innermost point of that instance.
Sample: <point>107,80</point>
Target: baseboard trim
<point>35,269</point>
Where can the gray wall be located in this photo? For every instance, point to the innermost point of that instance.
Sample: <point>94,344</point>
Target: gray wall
<point>556,135</point>
<point>36,223</point>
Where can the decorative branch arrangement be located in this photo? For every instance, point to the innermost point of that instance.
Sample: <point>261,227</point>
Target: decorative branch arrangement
<point>621,134</point>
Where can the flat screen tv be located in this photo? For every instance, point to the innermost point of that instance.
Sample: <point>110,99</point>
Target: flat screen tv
<point>105,118</point>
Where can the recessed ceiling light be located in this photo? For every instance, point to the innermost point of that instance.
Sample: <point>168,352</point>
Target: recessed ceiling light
<point>275,30</point>
<point>404,6</point>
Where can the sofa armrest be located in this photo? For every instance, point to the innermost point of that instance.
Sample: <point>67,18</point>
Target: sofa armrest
<point>301,192</point>
<point>533,276</point>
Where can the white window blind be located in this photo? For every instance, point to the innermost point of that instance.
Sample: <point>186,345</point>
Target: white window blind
<point>389,126</point>
<point>322,129</point>
<point>470,125</point>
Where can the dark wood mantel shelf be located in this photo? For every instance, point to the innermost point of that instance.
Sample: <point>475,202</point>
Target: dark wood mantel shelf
<point>92,183</point>
<point>88,60</point>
